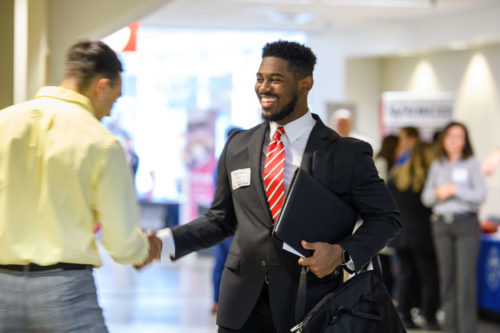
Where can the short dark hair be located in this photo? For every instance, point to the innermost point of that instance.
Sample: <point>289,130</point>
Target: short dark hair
<point>467,151</point>
<point>301,59</point>
<point>87,59</point>
<point>411,131</point>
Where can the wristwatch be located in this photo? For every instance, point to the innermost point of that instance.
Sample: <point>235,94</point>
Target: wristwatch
<point>345,257</point>
<point>347,263</point>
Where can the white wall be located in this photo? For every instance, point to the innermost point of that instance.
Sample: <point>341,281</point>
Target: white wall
<point>71,20</point>
<point>329,73</point>
<point>38,46</point>
<point>338,78</point>
<point>34,44</point>
<point>474,75</point>
<point>362,88</point>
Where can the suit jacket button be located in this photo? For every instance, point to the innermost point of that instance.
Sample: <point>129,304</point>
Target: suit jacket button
<point>263,263</point>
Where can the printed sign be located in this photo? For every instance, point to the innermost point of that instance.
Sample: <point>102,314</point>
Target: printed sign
<point>428,112</point>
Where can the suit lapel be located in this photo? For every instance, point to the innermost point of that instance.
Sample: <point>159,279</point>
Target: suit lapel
<point>255,154</point>
<point>319,140</point>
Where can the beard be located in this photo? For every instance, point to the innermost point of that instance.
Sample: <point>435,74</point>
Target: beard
<point>284,112</point>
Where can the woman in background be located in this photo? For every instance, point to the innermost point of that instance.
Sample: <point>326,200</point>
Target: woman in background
<point>454,189</point>
<point>386,157</point>
<point>418,277</point>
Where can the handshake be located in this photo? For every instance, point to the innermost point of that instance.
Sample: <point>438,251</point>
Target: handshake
<point>155,246</point>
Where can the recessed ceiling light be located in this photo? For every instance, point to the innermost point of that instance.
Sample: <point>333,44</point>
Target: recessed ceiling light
<point>304,18</point>
<point>290,18</point>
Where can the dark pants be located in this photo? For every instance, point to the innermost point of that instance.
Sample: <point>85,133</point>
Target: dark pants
<point>260,320</point>
<point>386,265</point>
<point>418,282</point>
<point>457,249</point>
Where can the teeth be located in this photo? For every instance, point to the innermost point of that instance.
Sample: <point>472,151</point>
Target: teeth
<point>268,99</point>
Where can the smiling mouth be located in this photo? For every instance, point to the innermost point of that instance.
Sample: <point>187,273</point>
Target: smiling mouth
<point>267,101</point>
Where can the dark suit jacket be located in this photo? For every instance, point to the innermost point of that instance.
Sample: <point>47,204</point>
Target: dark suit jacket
<point>255,255</point>
<point>416,230</point>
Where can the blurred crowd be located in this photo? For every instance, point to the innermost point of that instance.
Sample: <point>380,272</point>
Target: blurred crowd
<point>431,264</point>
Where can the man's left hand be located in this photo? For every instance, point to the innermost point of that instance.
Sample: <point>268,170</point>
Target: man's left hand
<point>325,259</point>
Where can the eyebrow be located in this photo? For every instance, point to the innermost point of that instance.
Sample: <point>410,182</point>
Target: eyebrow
<point>272,74</point>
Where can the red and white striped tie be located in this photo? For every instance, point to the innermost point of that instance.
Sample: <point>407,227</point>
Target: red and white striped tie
<point>273,173</point>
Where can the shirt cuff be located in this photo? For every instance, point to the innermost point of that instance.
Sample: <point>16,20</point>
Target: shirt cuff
<point>168,243</point>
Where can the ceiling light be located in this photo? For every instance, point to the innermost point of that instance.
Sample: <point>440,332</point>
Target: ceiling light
<point>304,18</point>
<point>275,17</point>
<point>290,18</point>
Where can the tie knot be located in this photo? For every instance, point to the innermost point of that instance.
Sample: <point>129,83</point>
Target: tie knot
<point>279,132</point>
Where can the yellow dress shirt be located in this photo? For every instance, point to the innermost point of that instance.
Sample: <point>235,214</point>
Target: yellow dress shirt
<point>61,171</point>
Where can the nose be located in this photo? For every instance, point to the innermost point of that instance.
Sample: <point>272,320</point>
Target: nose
<point>264,86</point>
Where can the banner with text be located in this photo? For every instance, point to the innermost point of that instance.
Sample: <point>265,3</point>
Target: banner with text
<point>429,112</point>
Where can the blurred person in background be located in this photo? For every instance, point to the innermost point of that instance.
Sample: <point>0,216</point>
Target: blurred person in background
<point>341,121</point>
<point>414,244</point>
<point>384,161</point>
<point>61,171</point>
<point>454,189</point>
<point>386,157</point>
<point>408,137</point>
<point>131,155</point>
<point>222,249</point>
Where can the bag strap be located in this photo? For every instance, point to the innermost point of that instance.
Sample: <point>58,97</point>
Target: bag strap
<point>300,301</point>
<point>377,267</point>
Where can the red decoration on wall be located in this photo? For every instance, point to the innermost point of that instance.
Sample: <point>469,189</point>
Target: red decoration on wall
<point>131,45</point>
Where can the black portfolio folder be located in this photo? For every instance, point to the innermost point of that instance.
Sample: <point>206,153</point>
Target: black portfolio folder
<point>313,213</point>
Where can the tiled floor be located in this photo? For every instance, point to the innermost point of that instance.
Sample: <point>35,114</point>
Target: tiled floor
<point>167,297</point>
<point>164,297</point>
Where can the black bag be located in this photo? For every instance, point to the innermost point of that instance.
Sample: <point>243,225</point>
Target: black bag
<point>360,305</point>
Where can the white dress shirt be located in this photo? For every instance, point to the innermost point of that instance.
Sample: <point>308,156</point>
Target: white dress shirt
<point>294,140</point>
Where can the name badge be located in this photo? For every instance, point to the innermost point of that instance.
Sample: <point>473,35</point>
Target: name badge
<point>240,177</point>
<point>459,175</point>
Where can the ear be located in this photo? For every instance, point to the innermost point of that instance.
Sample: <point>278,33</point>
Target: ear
<point>101,86</point>
<point>306,84</point>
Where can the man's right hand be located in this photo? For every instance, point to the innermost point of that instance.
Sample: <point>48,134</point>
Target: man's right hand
<point>325,259</point>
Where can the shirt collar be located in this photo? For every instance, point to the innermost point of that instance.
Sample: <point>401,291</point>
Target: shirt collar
<point>294,129</point>
<point>65,95</point>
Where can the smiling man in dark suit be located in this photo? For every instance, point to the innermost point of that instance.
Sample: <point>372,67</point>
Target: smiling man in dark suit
<point>260,279</point>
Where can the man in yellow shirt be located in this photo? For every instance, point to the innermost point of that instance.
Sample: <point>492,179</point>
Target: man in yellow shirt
<point>61,171</point>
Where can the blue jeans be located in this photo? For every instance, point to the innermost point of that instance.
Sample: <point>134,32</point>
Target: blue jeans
<point>50,301</point>
<point>221,250</point>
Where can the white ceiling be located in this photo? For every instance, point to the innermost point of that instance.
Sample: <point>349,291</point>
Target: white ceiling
<point>307,15</point>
